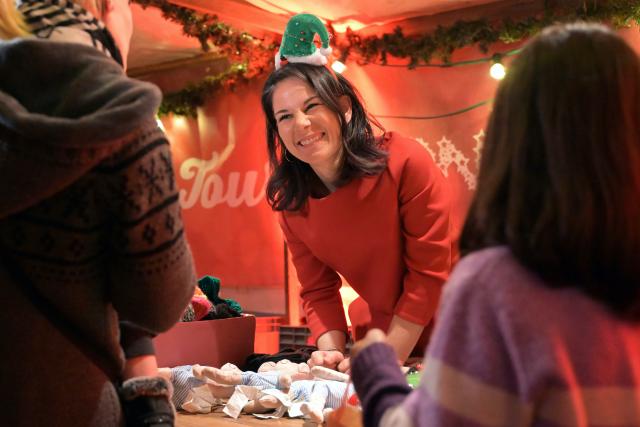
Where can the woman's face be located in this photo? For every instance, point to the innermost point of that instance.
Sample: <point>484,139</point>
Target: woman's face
<point>308,128</point>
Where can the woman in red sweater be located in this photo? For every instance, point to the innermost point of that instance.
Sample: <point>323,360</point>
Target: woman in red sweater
<point>372,209</point>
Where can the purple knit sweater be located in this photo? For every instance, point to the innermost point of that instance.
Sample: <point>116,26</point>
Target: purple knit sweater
<point>508,351</point>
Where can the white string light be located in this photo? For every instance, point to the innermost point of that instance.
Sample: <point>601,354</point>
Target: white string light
<point>338,67</point>
<point>497,71</point>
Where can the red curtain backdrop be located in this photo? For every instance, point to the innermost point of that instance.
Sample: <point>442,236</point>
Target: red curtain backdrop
<point>221,166</point>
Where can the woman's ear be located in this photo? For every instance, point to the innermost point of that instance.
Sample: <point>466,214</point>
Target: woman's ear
<point>345,106</point>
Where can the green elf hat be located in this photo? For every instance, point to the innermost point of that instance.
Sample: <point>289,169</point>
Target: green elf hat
<point>297,41</point>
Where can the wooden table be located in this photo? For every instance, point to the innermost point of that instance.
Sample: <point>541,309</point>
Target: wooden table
<point>220,419</point>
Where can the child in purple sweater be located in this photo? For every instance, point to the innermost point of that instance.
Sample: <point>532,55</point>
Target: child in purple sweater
<point>539,325</point>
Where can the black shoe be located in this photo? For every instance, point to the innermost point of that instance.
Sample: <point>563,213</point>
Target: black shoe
<point>146,402</point>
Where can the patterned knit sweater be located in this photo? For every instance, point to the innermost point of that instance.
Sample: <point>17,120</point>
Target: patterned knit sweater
<point>90,216</point>
<point>509,351</point>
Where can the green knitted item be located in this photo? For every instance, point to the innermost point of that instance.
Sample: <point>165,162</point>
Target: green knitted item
<point>211,287</point>
<point>297,41</point>
<point>233,304</point>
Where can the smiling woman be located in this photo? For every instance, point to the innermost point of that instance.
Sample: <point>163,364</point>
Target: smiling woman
<point>309,129</point>
<point>373,209</point>
<point>317,131</point>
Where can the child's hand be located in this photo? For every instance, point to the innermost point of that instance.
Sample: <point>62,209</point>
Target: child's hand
<point>372,337</point>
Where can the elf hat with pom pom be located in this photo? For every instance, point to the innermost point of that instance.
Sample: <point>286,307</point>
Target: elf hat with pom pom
<point>297,41</point>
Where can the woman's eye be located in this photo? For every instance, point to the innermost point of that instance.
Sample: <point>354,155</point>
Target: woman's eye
<point>310,106</point>
<point>284,117</point>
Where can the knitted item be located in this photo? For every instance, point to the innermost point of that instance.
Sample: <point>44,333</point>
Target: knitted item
<point>135,341</point>
<point>233,305</point>
<point>53,18</point>
<point>90,213</point>
<point>211,287</point>
<point>201,307</point>
<point>297,41</point>
<point>221,311</point>
<point>488,363</point>
<point>146,402</point>
<point>145,386</point>
<point>189,314</point>
<point>199,293</point>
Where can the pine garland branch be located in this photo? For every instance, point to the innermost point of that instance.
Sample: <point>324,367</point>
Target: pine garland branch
<point>186,101</point>
<point>441,43</point>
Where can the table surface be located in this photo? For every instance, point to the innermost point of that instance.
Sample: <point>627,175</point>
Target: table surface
<point>220,419</point>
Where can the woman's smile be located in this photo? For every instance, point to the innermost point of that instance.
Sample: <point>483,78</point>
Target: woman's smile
<point>310,139</point>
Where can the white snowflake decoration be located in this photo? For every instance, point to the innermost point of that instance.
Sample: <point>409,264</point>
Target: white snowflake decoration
<point>449,154</point>
<point>479,137</point>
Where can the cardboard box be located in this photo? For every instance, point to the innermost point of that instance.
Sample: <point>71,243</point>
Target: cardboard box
<point>267,334</point>
<point>207,342</point>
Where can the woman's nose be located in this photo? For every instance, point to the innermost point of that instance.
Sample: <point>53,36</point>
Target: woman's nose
<point>302,120</point>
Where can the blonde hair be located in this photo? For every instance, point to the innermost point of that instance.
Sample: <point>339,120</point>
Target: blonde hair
<point>12,24</point>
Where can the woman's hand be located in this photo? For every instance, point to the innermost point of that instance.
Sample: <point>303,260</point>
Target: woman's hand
<point>373,336</point>
<point>332,359</point>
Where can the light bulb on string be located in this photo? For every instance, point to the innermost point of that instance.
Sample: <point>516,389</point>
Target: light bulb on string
<point>338,67</point>
<point>497,70</point>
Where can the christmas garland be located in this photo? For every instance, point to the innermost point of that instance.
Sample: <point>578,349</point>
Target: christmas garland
<point>186,101</point>
<point>445,40</point>
<point>251,57</point>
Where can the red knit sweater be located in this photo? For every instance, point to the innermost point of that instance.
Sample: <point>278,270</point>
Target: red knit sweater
<point>388,235</point>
